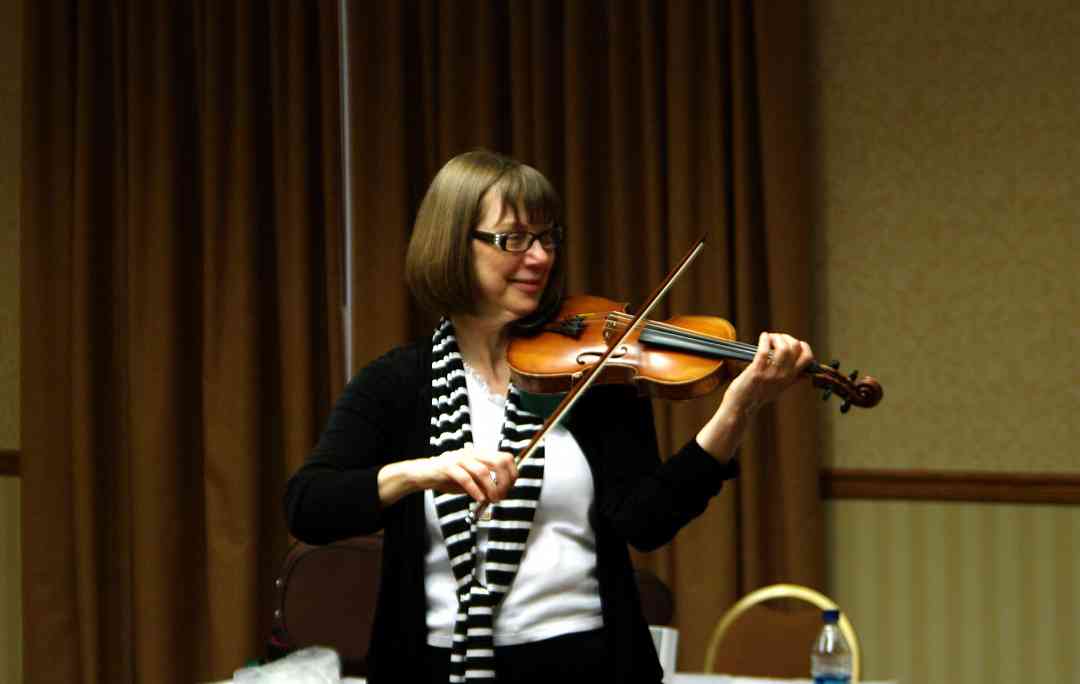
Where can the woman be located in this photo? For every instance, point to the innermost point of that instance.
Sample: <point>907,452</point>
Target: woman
<point>545,589</point>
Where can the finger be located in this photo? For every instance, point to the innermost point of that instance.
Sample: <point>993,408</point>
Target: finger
<point>506,473</point>
<point>506,468</point>
<point>762,357</point>
<point>795,354</point>
<point>481,475</point>
<point>787,351</point>
<point>511,466</point>
<point>806,356</point>
<point>464,479</point>
<point>773,355</point>
<point>500,480</point>
<point>486,478</point>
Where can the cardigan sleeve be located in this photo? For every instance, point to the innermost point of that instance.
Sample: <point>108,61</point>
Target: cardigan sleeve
<point>645,500</point>
<point>335,494</point>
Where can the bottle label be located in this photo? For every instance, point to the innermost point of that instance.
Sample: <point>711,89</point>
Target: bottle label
<point>832,679</point>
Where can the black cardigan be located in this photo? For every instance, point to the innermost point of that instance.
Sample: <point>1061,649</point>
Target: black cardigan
<point>383,416</point>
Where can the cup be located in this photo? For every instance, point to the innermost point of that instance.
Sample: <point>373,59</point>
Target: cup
<point>666,641</point>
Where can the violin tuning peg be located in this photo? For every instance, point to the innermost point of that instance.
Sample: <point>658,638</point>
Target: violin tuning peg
<point>826,394</point>
<point>845,407</point>
<point>835,364</point>
<point>853,375</point>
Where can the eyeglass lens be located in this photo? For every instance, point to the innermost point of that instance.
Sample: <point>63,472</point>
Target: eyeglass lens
<point>520,241</point>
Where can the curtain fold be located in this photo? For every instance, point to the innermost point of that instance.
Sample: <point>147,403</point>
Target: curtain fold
<point>181,323</point>
<point>659,123</point>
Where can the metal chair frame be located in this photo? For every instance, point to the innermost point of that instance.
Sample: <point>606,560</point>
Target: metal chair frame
<point>779,591</point>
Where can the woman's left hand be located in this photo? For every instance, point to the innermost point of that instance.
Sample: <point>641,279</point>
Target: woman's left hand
<point>778,363</point>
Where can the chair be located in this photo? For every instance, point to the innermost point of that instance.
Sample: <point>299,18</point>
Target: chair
<point>657,601</point>
<point>658,607</point>
<point>757,639</point>
<point>326,597</point>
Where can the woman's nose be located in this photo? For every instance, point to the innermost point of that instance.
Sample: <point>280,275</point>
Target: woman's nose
<point>537,254</point>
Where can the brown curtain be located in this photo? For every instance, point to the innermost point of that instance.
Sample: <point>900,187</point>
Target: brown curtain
<point>659,122</point>
<point>181,325</point>
<point>181,264</point>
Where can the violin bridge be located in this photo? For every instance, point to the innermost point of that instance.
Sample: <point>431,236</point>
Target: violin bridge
<point>611,327</point>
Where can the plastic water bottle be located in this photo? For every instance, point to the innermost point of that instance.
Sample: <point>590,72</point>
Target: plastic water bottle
<point>830,660</point>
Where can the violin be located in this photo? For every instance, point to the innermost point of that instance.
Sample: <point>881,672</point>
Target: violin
<point>595,340</point>
<point>680,358</point>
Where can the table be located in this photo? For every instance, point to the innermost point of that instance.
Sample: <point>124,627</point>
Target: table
<point>697,678</point>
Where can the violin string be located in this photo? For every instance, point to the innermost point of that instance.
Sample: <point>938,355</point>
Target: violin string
<point>735,349</point>
<point>722,347</point>
<point>740,350</point>
<point>718,343</point>
<point>675,328</point>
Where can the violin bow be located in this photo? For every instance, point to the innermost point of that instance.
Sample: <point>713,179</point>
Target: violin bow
<point>585,378</point>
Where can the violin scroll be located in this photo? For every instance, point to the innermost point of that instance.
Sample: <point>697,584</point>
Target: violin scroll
<point>864,392</point>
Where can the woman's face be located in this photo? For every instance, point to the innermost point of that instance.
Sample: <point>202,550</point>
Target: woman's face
<point>509,285</point>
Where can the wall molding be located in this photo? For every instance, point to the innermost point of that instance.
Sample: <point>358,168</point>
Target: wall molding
<point>907,485</point>
<point>949,485</point>
<point>10,463</point>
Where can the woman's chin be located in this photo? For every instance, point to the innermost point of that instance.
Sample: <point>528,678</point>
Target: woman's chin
<point>522,310</point>
<point>511,307</point>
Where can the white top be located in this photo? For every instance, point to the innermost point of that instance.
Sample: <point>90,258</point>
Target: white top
<point>555,591</point>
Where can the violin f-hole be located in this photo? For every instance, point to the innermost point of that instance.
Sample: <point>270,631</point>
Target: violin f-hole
<point>583,358</point>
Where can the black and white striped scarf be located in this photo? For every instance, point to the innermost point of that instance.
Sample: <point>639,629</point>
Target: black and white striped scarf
<point>472,656</point>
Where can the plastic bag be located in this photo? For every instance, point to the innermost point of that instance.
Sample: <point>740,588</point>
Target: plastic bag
<point>312,665</point>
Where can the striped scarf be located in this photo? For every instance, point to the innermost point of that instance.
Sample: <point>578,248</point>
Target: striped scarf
<point>472,656</point>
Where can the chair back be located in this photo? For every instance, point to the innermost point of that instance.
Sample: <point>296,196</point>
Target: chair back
<point>657,601</point>
<point>326,597</point>
<point>770,631</point>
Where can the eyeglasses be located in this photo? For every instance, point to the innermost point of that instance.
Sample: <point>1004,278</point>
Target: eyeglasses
<point>518,241</point>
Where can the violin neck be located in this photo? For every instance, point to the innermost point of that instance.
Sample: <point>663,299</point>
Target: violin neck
<point>672,337</point>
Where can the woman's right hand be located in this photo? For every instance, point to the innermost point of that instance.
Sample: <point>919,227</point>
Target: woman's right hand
<point>485,476</point>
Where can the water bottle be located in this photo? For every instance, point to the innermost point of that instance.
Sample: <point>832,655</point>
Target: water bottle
<point>830,660</point>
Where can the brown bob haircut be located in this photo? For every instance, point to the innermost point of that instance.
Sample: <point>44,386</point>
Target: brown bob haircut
<point>439,263</point>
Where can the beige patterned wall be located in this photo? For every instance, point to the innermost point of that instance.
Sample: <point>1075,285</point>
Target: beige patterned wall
<point>948,245</point>
<point>10,580</point>
<point>10,563</point>
<point>959,593</point>
<point>948,230</point>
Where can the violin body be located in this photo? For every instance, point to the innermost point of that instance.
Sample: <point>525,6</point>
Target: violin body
<point>552,360</point>
<point>680,358</point>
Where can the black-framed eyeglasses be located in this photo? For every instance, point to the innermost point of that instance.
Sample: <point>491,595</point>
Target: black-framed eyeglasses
<point>518,241</point>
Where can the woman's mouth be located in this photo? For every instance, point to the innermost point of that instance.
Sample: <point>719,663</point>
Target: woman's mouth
<point>530,286</point>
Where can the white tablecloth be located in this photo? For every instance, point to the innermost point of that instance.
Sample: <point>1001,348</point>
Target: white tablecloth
<point>698,678</point>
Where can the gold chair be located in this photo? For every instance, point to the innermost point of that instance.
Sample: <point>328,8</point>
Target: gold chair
<point>755,639</point>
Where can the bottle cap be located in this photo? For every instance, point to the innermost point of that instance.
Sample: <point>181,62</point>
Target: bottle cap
<point>831,617</point>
